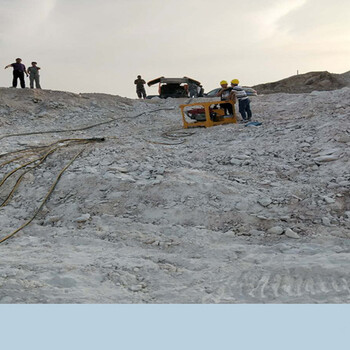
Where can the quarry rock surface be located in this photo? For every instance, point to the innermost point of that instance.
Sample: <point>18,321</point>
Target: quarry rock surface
<point>159,214</point>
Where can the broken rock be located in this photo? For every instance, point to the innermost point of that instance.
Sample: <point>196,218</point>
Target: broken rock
<point>291,234</point>
<point>265,201</point>
<point>276,230</point>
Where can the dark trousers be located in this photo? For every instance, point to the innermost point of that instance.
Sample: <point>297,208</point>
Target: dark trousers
<point>17,74</point>
<point>244,109</point>
<point>141,93</point>
<point>228,108</point>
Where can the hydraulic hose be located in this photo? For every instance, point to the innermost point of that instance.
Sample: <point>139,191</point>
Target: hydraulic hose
<point>85,127</point>
<point>53,186</point>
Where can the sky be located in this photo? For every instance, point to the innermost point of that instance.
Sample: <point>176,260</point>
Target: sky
<point>101,46</point>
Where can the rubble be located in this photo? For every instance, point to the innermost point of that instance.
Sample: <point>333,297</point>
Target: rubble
<point>145,217</point>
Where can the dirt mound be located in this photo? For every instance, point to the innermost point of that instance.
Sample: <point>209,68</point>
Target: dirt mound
<point>344,78</point>
<point>308,82</point>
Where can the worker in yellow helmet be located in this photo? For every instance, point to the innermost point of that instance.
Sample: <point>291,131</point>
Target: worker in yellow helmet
<point>225,95</point>
<point>243,100</point>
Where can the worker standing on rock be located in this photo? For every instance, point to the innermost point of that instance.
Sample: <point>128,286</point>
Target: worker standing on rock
<point>226,95</point>
<point>140,89</point>
<point>18,72</point>
<point>34,76</point>
<point>243,100</point>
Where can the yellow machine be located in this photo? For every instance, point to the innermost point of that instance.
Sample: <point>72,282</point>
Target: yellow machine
<point>206,114</point>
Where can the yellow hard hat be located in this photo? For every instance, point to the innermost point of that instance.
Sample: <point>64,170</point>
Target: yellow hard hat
<point>235,81</point>
<point>222,82</point>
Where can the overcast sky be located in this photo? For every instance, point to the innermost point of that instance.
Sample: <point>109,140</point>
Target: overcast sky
<point>100,46</point>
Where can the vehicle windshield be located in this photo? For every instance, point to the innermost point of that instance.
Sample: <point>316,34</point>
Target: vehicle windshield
<point>213,93</point>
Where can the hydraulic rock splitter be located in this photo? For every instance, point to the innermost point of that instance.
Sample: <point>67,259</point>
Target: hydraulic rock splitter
<point>207,114</point>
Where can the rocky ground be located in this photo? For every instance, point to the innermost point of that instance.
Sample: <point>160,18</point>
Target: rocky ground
<point>156,214</point>
<point>307,82</point>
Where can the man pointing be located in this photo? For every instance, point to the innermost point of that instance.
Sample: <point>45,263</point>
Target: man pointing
<point>18,72</point>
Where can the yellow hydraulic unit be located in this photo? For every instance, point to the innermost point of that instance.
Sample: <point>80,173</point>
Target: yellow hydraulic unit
<point>207,114</point>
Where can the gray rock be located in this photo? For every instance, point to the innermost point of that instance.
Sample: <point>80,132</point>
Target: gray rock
<point>235,161</point>
<point>329,200</point>
<point>136,288</point>
<point>265,201</point>
<point>347,215</point>
<point>276,230</point>
<point>242,205</point>
<point>340,179</point>
<point>326,221</point>
<point>344,139</point>
<point>62,282</point>
<point>241,157</point>
<point>53,219</point>
<point>329,158</point>
<point>83,218</point>
<point>291,234</point>
<point>6,300</point>
<point>120,169</point>
<point>332,185</point>
<point>309,139</point>
<point>256,233</point>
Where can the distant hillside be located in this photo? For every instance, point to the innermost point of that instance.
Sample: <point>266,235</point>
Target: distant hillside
<point>322,81</point>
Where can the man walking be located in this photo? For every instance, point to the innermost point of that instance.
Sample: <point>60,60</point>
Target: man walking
<point>34,76</point>
<point>18,72</point>
<point>243,100</point>
<point>140,89</point>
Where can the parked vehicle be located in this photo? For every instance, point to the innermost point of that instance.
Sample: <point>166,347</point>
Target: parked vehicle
<point>250,92</point>
<point>174,87</point>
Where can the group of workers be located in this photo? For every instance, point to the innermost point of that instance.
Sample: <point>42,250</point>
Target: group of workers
<point>19,69</point>
<point>233,93</point>
<point>226,93</point>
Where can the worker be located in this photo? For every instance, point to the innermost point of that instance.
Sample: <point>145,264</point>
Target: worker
<point>140,89</point>
<point>200,90</point>
<point>243,100</point>
<point>19,70</point>
<point>192,88</point>
<point>225,95</point>
<point>34,76</point>
<point>185,89</point>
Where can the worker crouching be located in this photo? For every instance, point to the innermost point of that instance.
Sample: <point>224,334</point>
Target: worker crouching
<point>226,94</point>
